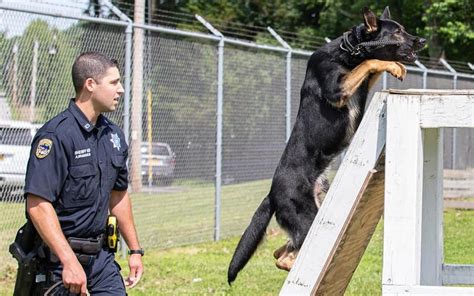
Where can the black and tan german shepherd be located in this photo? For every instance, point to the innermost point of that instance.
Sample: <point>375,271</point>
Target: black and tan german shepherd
<point>333,97</point>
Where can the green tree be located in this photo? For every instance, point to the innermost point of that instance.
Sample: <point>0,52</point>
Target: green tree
<point>53,82</point>
<point>449,27</point>
<point>56,52</point>
<point>447,24</point>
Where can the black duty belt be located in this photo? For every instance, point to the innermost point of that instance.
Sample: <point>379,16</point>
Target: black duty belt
<point>86,249</point>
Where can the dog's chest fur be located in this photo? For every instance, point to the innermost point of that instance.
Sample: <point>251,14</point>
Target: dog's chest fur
<point>354,106</point>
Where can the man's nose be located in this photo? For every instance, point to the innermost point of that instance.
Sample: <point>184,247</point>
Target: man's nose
<point>120,89</point>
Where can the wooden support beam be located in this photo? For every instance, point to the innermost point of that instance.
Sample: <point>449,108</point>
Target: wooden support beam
<point>427,290</point>
<point>359,228</point>
<point>413,202</point>
<point>458,274</point>
<point>348,216</point>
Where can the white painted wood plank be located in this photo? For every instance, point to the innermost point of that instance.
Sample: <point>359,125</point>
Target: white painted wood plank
<point>327,227</point>
<point>426,290</point>
<point>417,91</point>
<point>466,205</point>
<point>447,111</point>
<point>458,274</point>
<point>432,208</point>
<point>459,184</point>
<point>403,192</point>
<point>466,174</point>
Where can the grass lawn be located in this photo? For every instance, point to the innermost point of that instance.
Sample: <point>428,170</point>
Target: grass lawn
<point>186,217</point>
<point>200,269</point>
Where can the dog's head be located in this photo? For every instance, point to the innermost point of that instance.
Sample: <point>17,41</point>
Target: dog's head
<point>395,43</point>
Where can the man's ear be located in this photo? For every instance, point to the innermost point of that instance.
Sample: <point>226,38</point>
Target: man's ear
<point>89,84</point>
<point>386,14</point>
<point>370,20</point>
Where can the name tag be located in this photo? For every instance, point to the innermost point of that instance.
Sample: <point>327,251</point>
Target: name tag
<point>82,153</point>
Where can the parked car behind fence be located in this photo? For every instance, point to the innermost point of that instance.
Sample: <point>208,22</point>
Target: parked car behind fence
<point>15,141</point>
<point>158,163</point>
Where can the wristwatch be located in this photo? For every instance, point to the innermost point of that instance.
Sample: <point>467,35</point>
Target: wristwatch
<point>139,251</point>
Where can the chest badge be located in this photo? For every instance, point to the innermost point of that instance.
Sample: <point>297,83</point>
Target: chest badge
<point>43,148</point>
<point>114,138</point>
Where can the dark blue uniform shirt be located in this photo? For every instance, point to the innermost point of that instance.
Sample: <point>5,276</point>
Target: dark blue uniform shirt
<point>75,165</point>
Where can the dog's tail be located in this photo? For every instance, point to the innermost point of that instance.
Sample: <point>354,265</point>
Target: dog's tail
<point>250,239</point>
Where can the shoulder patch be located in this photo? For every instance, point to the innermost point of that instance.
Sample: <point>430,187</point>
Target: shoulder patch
<point>43,148</point>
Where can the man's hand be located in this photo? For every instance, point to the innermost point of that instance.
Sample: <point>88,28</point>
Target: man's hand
<point>74,277</point>
<point>136,270</point>
<point>121,207</point>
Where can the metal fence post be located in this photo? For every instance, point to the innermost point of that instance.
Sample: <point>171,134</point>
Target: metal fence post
<point>384,80</point>
<point>220,103</point>
<point>425,72</point>
<point>127,76</point>
<point>451,69</point>
<point>288,80</point>
<point>471,66</point>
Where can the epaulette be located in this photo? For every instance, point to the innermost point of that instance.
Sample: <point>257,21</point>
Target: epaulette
<point>54,123</point>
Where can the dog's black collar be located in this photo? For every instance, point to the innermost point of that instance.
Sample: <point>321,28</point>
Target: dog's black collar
<point>362,49</point>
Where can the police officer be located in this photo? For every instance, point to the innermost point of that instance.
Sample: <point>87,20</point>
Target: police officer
<point>76,174</point>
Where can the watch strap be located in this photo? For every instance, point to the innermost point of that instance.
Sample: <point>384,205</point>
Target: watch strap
<point>139,251</point>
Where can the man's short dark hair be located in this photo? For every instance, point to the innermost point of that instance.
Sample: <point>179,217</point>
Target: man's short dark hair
<point>90,65</point>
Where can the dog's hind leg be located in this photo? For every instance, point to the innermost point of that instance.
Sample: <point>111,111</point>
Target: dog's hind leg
<point>321,187</point>
<point>298,230</point>
<point>280,252</point>
<point>286,262</point>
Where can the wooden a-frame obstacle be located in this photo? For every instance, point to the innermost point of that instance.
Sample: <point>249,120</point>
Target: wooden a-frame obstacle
<point>393,166</point>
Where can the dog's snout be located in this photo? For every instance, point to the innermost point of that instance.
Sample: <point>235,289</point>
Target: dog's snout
<point>420,42</point>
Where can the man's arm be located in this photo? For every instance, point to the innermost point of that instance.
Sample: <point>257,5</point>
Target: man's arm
<point>43,216</point>
<point>121,207</point>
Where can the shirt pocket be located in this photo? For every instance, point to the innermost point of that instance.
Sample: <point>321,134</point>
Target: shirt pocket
<point>83,186</point>
<point>118,161</point>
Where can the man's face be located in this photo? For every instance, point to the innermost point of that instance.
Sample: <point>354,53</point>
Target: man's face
<point>107,91</point>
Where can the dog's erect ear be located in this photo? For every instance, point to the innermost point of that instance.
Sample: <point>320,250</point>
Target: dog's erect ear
<point>370,20</point>
<point>386,14</point>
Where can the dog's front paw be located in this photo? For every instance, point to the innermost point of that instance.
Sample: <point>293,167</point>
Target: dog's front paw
<point>404,70</point>
<point>397,70</point>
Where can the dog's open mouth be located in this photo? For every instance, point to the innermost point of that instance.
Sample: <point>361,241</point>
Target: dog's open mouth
<point>410,56</point>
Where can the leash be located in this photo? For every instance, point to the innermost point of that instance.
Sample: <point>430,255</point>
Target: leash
<point>363,48</point>
<point>58,289</point>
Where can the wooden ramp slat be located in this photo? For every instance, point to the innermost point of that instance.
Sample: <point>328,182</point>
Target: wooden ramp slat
<point>346,221</point>
<point>360,228</point>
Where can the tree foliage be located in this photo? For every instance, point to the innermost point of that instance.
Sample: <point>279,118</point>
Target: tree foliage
<point>447,24</point>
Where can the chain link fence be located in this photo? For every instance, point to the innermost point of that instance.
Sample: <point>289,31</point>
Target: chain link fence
<point>177,200</point>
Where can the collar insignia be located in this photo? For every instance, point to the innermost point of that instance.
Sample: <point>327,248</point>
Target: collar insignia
<point>114,138</point>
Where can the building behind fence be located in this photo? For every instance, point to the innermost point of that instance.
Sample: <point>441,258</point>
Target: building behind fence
<point>224,106</point>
